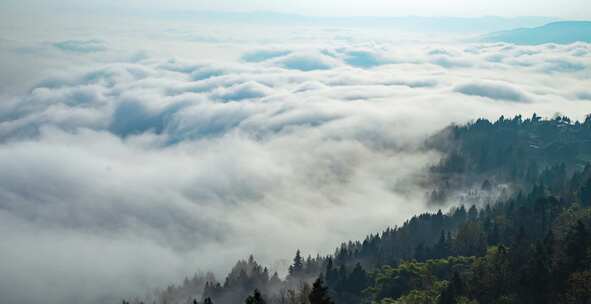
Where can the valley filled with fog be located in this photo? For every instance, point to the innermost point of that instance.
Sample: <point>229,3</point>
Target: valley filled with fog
<point>135,155</point>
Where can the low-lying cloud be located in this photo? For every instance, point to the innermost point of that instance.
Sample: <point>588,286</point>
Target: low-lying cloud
<point>124,175</point>
<point>496,91</point>
<point>81,46</point>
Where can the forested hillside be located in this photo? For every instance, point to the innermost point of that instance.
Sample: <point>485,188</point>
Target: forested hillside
<point>532,244</point>
<point>508,152</point>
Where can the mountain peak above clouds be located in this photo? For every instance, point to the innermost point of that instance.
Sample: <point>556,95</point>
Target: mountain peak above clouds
<point>561,32</point>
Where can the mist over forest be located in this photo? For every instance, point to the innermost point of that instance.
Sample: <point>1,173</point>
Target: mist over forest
<point>189,153</point>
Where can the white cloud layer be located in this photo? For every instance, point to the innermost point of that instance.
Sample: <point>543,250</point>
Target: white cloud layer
<point>142,166</point>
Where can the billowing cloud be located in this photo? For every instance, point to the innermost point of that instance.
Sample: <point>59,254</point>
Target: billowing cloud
<point>496,91</point>
<point>365,58</point>
<point>561,65</point>
<point>263,55</point>
<point>450,62</point>
<point>127,172</point>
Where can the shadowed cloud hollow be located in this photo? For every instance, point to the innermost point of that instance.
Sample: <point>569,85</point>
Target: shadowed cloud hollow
<point>81,46</point>
<point>496,91</point>
<point>306,61</point>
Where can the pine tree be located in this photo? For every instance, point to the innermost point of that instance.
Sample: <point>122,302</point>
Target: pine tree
<point>319,294</point>
<point>298,265</point>
<point>420,252</point>
<point>454,289</point>
<point>494,236</point>
<point>473,212</point>
<point>576,246</point>
<point>331,274</point>
<point>309,266</point>
<point>256,298</point>
<point>358,280</point>
<point>441,249</point>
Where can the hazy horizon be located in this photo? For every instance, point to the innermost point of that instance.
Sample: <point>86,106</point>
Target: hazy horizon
<point>574,9</point>
<point>137,149</point>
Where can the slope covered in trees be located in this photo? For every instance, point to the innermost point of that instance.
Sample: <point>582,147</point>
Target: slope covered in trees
<point>532,245</point>
<point>507,153</point>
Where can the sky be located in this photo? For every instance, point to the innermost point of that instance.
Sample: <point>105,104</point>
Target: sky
<point>573,9</point>
<point>138,150</point>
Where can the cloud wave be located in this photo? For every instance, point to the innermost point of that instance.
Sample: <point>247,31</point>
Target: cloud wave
<point>496,91</point>
<point>186,163</point>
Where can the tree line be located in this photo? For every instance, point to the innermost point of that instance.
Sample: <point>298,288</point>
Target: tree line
<point>530,245</point>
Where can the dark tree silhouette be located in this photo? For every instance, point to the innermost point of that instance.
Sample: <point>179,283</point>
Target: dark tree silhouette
<point>585,195</point>
<point>256,298</point>
<point>319,294</point>
<point>298,264</point>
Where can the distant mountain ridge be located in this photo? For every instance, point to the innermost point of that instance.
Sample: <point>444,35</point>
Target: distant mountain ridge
<point>482,24</point>
<point>562,32</point>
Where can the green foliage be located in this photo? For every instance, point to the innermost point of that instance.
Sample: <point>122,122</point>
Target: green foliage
<point>418,296</point>
<point>579,288</point>
<point>464,300</point>
<point>414,279</point>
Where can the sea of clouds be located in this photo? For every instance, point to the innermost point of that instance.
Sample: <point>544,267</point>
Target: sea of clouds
<point>132,158</point>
